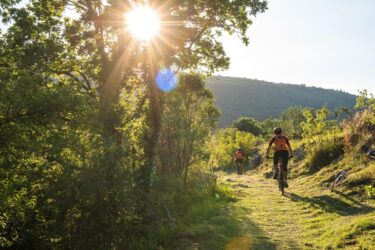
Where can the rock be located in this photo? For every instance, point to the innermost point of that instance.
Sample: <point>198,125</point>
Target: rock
<point>364,148</point>
<point>371,154</point>
<point>268,175</point>
<point>300,153</point>
<point>255,160</point>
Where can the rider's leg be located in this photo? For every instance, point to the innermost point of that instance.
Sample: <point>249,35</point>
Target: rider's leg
<point>240,167</point>
<point>275,169</point>
<point>238,164</point>
<point>285,158</point>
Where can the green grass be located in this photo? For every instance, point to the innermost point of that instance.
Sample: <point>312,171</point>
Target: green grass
<point>208,224</point>
<point>248,212</point>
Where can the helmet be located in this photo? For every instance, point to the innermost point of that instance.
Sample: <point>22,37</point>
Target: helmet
<point>277,130</point>
<point>239,148</point>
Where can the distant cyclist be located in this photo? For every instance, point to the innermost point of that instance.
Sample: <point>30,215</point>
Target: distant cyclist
<point>282,150</point>
<point>239,155</point>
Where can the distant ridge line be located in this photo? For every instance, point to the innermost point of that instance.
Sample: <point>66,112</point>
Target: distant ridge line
<point>260,99</point>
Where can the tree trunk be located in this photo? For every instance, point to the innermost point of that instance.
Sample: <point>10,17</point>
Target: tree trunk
<point>154,122</point>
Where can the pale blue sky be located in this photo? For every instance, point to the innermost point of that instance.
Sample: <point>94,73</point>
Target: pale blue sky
<point>325,43</point>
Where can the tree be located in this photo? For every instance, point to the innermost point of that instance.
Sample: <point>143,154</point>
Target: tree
<point>188,117</point>
<point>317,123</point>
<point>225,143</point>
<point>248,124</point>
<point>269,124</point>
<point>291,121</point>
<point>87,112</point>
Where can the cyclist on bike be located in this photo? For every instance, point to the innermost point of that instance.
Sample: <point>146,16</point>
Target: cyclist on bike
<point>282,150</point>
<point>238,159</point>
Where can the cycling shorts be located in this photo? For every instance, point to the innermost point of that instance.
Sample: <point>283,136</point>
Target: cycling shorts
<point>238,161</point>
<point>284,155</point>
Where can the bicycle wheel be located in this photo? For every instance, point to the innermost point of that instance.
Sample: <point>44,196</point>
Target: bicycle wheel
<point>281,180</point>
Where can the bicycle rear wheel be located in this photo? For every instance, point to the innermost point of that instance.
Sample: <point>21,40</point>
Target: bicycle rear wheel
<point>281,180</point>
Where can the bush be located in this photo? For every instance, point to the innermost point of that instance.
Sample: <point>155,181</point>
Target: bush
<point>370,191</point>
<point>360,129</point>
<point>225,143</point>
<point>173,204</point>
<point>248,124</point>
<point>324,153</point>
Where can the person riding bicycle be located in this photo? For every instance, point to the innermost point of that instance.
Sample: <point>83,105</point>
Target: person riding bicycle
<point>282,150</point>
<point>239,155</point>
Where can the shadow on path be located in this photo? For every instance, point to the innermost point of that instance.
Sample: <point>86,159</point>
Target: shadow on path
<point>332,205</point>
<point>228,228</point>
<point>251,237</point>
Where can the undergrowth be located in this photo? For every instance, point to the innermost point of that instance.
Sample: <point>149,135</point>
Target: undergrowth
<point>324,152</point>
<point>177,221</point>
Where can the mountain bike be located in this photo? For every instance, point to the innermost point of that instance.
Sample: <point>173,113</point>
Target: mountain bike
<point>281,174</point>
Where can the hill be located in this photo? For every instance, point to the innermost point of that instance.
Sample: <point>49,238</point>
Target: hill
<point>238,97</point>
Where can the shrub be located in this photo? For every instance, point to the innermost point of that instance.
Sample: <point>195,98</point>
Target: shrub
<point>248,124</point>
<point>324,153</point>
<point>360,129</point>
<point>224,144</point>
<point>370,191</point>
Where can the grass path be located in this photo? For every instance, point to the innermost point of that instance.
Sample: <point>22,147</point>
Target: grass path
<point>268,219</point>
<point>305,218</point>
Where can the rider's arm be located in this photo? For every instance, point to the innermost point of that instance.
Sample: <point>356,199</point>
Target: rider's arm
<point>269,146</point>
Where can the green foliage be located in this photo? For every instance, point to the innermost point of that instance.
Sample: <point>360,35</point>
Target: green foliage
<point>269,124</point>
<point>360,129</point>
<point>317,123</point>
<point>291,121</point>
<point>238,97</point>
<point>80,118</point>
<point>248,124</point>
<point>370,191</point>
<point>224,144</point>
<point>189,115</point>
<point>323,152</point>
<point>365,100</point>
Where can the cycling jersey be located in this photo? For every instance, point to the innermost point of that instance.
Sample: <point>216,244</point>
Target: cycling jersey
<point>239,155</point>
<point>281,142</point>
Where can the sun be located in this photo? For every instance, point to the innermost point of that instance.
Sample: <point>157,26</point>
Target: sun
<point>142,23</point>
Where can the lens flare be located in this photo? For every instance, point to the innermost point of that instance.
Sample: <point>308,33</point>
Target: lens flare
<point>166,80</point>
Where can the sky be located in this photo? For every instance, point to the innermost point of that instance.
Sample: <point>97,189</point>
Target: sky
<point>323,43</point>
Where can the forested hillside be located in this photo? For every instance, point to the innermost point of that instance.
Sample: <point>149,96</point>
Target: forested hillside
<point>238,97</point>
